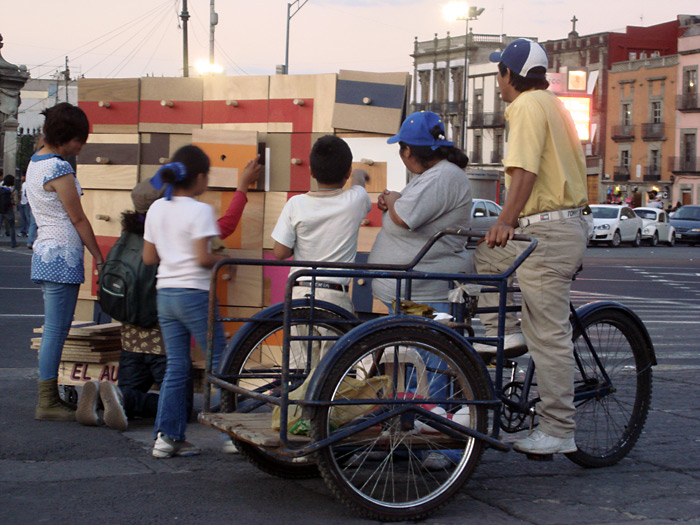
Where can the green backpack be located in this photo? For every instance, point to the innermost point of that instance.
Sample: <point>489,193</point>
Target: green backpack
<point>127,286</point>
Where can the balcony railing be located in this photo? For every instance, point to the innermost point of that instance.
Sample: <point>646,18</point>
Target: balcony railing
<point>623,132</point>
<point>487,120</point>
<point>475,157</point>
<point>653,131</point>
<point>687,102</point>
<point>684,164</point>
<point>455,107</point>
<point>435,107</point>
<point>621,173</point>
<point>651,173</point>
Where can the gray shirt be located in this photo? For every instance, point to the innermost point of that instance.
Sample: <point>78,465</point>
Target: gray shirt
<point>439,198</point>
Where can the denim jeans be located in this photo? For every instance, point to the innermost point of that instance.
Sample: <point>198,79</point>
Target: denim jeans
<point>31,234</point>
<point>182,313</point>
<point>59,306</point>
<point>24,213</point>
<point>9,217</point>
<point>437,382</point>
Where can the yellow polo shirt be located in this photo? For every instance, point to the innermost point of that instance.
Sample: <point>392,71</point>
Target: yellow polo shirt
<point>542,139</point>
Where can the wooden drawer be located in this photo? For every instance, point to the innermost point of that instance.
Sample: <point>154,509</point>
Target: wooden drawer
<point>235,103</point>
<point>374,102</point>
<point>315,115</point>
<point>170,105</point>
<point>111,105</point>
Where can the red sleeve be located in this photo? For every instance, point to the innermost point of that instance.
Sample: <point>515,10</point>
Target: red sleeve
<point>229,222</point>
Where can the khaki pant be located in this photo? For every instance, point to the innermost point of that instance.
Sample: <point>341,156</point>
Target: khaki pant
<point>545,282</point>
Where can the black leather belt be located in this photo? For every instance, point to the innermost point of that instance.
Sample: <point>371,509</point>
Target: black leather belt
<point>320,284</point>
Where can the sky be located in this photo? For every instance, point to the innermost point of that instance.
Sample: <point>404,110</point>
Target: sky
<point>134,38</point>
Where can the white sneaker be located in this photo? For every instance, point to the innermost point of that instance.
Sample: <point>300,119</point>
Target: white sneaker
<point>537,442</point>
<point>513,346</point>
<point>436,461</point>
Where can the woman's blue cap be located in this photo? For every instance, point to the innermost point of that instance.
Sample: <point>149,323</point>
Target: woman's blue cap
<point>415,131</point>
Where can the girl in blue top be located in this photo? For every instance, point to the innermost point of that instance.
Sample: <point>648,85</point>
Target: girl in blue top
<point>54,193</point>
<point>178,235</point>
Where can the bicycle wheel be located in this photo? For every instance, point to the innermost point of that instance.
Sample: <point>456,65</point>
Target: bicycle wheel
<point>609,424</point>
<point>257,366</point>
<point>403,468</point>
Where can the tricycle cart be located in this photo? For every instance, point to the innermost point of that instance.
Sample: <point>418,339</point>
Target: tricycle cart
<point>395,412</point>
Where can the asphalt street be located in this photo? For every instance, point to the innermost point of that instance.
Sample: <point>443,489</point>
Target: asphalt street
<point>65,472</point>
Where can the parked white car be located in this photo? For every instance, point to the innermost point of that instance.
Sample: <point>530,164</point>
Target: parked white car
<point>616,224</point>
<point>484,214</point>
<point>656,226</point>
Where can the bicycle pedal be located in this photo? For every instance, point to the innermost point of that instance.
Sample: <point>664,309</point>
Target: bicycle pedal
<point>540,457</point>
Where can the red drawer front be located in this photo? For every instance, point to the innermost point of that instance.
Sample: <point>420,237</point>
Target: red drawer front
<point>151,111</point>
<point>119,113</point>
<point>301,117</point>
<point>247,112</point>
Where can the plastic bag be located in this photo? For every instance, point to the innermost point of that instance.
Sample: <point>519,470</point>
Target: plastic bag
<point>351,388</point>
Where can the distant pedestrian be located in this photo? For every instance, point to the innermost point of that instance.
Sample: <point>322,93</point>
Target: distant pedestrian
<point>24,209</point>
<point>7,208</point>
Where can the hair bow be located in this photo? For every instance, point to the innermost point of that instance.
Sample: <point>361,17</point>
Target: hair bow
<point>180,171</point>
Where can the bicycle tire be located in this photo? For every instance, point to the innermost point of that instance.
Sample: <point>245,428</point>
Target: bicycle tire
<point>608,427</point>
<point>262,350</point>
<point>351,468</point>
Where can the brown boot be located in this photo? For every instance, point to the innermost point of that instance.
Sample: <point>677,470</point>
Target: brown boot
<point>49,407</point>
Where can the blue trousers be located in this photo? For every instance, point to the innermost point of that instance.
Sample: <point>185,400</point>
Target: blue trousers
<point>182,314</point>
<point>59,306</point>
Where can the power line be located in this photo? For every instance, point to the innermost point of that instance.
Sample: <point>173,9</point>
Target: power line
<point>104,36</point>
<point>125,61</point>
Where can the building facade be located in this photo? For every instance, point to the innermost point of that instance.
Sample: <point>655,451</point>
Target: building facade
<point>685,164</point>
<point>641,120</point>
<point>595,54</point>
<point>40,94</point>
<point>438,86</point>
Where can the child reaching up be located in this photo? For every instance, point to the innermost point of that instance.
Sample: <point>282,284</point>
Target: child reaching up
<point>323,225</point>
<point>178,234</point>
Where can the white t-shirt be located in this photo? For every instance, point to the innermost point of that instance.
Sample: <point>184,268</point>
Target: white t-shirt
<point>323,227</point>
<point>173,226</point>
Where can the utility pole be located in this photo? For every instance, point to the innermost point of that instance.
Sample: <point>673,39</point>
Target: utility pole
<point>297,4</point>
<point>185,16</point>
<point>66,78</point>
<point>213,21</point>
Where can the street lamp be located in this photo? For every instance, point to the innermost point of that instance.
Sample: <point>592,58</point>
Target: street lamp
<point>298,5</point>
<point>463,11</point>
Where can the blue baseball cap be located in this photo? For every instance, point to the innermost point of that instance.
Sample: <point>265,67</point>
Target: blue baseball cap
<point>416,131</point>
<point>521,56</point>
